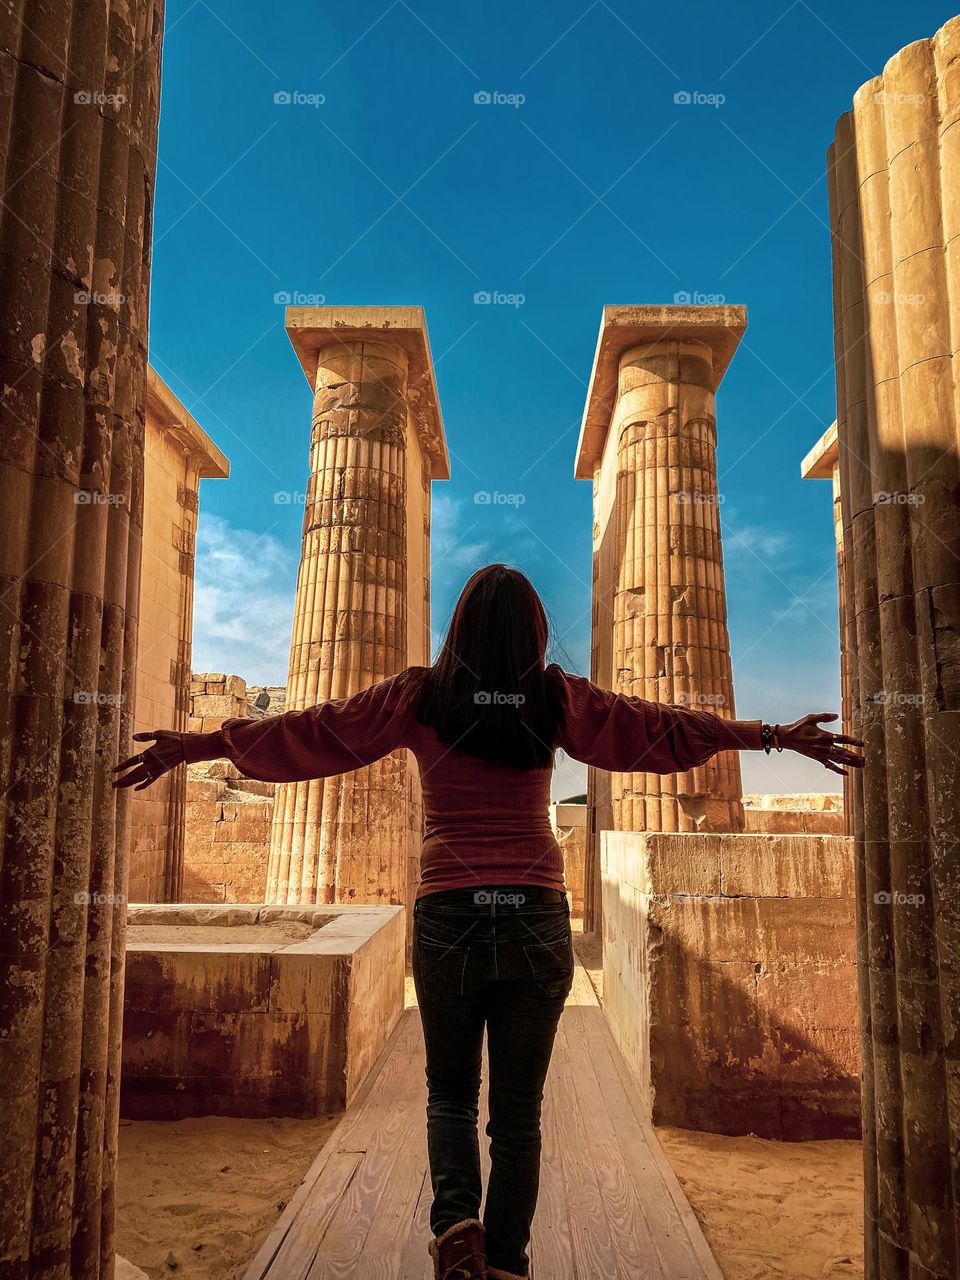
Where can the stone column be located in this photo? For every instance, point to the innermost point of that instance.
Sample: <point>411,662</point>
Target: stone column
<point>81,94</point>
<point>894,173</point>
<point>649,443</point>
<point>823,463</point>
<point>362,605</point>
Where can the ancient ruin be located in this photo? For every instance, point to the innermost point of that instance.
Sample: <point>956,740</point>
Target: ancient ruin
<point>362,607</point>
<point>265,953</point>
<point>254,1010</point>
<point>648,444</point>
<point>894,174</point>
<point>177,455</point>
<point>823,463</point>
<point>81,94</point>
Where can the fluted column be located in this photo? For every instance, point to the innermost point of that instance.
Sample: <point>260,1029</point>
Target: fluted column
<point>894,173</point>
<point>649,442</point>
<point>81,92</point>
<point>361,610</point>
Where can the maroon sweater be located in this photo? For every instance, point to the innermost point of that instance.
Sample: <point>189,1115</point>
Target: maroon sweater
<point>485,824</point>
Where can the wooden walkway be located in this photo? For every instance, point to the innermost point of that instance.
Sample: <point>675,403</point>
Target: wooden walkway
<point>610,1206</point>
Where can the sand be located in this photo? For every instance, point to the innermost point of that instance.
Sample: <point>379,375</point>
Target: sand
<point>773,1210</point>
<point>197,1197</point>
<point>269,933</point>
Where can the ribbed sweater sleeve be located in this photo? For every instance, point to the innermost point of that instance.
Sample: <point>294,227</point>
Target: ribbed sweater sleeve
<point>332,737</point>
<point>624,734</point>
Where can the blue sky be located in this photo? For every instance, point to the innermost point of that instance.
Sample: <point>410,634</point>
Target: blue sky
<point>583,182</point>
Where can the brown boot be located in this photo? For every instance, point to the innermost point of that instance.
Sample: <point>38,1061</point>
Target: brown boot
<point>494,1273</point>
<point>460,1254</point>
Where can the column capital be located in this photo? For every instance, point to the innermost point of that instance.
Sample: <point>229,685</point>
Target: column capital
<point>310,329</point>
<point>823,457</point>
<point>169,415</point>
<point>624,327</point>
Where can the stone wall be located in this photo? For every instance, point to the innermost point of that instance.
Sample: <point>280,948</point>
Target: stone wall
<point>729,969</point>
<point>215,697</point>
<point>227,835</point>
<point>177,455</point>
<point>227,817</point>
<point>254,1010</point>
<point>569,822</point>
<point>815,813</point>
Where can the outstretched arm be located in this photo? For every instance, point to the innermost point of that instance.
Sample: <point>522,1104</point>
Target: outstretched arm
<point>332,737</point>
<point>624,734</point>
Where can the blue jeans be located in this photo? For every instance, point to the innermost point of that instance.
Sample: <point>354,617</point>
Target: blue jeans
<point>500,958</point>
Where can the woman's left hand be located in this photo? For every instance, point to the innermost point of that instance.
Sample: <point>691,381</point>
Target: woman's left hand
<point>167,752</point>
<point>831,749</point>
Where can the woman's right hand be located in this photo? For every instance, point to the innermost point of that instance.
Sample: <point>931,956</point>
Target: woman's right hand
<point>807,738</point>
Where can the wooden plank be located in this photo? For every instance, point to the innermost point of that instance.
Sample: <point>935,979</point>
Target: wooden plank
<point>343,1242</point>
<point>415,1263</point>
<point>550,1247</point>
<point>592,1245</point>
<point>381,1081</point>
<point>636,1250</point>
<point>360,1124</point>
<point>383,1247</point>
<point>676,1231</point>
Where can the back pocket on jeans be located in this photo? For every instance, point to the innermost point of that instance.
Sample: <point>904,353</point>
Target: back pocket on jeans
<point>551,964</point>
<point>440,969</point>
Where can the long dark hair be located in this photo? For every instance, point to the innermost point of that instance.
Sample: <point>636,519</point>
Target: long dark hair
<point>488,692</point>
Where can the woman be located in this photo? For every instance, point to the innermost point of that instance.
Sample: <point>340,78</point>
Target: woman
<point>491,934</point>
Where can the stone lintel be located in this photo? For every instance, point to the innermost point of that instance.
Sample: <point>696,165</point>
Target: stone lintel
<point>170,415</point>
<point>625,327</point>
<point>310,329</point>
<point>823,457</point>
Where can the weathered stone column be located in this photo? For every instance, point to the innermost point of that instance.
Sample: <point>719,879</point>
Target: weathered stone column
<point>823,463</point>
<point>362,606</point>
<point>648,441</point>
<point>894,173</point>
<point>81,92</point>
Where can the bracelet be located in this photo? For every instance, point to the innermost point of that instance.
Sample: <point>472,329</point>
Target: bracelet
<point>770,737</point>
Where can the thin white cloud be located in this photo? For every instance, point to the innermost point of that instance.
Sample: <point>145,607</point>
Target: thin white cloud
<point>243,602</point>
